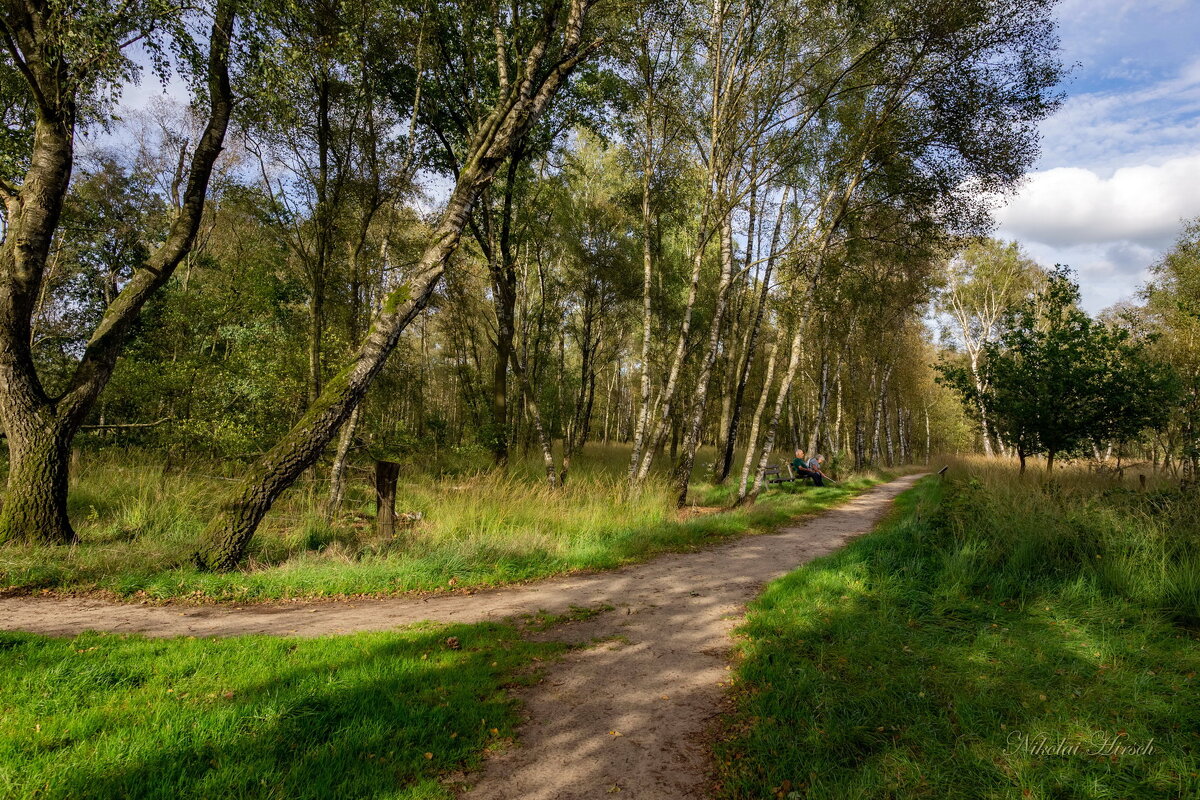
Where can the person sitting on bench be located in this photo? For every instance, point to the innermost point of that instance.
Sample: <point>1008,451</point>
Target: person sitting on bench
<point>801,469</point>
<point>814,467</point>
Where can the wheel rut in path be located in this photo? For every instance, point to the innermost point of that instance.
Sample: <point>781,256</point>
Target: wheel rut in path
<point>629,714</point>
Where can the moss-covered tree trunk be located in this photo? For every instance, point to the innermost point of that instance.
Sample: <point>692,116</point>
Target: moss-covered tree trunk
<point>35,505</point>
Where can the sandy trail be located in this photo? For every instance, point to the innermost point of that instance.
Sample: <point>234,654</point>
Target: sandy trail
<point>657,683</point>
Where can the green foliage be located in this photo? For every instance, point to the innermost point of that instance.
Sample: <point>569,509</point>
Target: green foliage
<point>379,715</point>
<point>110,218</point>
<point>989,614</point>
<point>16,121</point>
<point>1057,379</point>
<point>1173,314</point>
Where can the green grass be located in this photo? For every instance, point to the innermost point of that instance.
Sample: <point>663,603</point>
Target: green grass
<point>990,620</point>
<point>378,715</point>
<point>479,528</point>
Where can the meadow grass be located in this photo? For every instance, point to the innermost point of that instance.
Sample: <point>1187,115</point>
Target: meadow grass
<point>379,715</point>
<point>997,637</point>
<point>478,527</point>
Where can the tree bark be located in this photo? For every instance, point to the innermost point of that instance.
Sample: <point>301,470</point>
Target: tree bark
<point>752,442</point>
<point>504,293</point>
<point>577,433</point>
<point>744,372</point>
<point>337,474</point>
<point>983,421</point>
<point>780,399</point>
<point>666,399</point>
<point>928,436</point>
<point>386,474</point>
<point>691,442</point>
<point>643,418</point>
<point>814,440</point>
<point>39,458</point>
<point>539,427</point>
<point>888,438</point>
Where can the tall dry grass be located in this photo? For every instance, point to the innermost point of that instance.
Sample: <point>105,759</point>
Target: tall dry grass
<point>476,526</point>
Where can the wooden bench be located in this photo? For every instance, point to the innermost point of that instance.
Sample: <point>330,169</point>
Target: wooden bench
<point>773,475</point>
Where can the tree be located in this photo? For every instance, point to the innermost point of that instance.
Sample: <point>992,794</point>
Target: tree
<point>556,45</point>
<point>1173,309</point>
<point>69,63</point>
<point>984,282</point>
<point>1057,379</point>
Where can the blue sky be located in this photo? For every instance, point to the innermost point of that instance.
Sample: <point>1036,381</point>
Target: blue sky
<point>1120,164</point>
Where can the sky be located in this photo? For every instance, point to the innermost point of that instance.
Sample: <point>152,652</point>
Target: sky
<point>1120,163</point>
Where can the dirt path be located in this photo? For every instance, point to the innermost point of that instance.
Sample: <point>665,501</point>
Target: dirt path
<point>626,715</point>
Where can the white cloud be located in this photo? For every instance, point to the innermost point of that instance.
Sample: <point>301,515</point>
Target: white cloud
<point>1120,162</point>
<point>1072,206</point>
<point>1109,229</point>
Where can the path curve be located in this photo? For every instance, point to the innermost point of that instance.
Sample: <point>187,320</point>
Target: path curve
<point>628,715</point>
<point>741,566</point>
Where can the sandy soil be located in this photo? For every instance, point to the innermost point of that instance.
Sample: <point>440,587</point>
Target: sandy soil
<point>628,715</point>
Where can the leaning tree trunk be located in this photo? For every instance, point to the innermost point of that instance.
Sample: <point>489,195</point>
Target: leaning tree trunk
<point>226,538</point>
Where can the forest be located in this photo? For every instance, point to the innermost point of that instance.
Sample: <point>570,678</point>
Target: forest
<point>457,234</point>
<point>368,298</point>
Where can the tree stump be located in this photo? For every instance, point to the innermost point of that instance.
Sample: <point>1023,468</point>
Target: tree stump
<point>386,474</point>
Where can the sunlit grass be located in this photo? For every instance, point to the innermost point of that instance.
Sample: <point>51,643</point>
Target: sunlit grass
<point>379,715</point>
<point>990,614</point>
<point>477,527</point>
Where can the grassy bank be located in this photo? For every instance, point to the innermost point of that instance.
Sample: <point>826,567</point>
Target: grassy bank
<point>138,526</point>
<point>997,638</point>
<point>371,715</point>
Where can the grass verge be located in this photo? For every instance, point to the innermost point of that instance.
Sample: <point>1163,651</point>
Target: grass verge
<point>137,530</point>
<point>995,638</point>
<point>378,715</point>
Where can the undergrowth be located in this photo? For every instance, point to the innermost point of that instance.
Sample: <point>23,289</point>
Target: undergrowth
<point>138,527</point>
